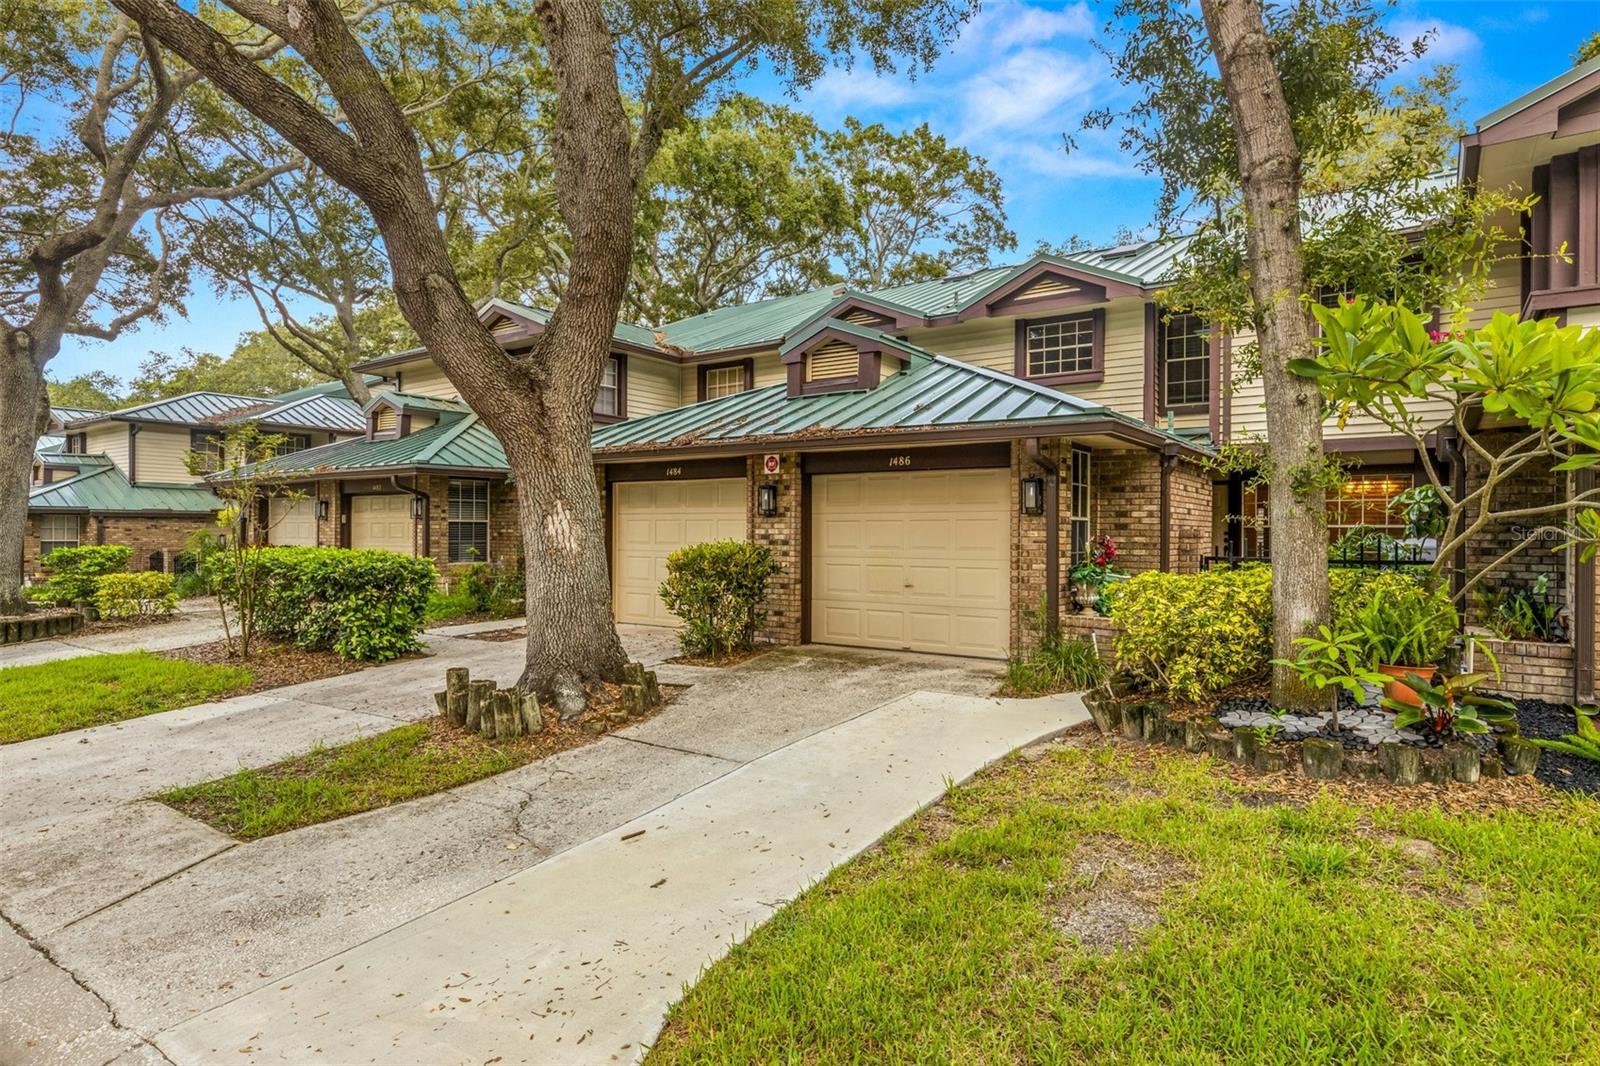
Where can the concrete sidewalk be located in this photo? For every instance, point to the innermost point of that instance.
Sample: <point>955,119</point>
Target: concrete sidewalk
<point>196,623</point>
<point>577,959</point>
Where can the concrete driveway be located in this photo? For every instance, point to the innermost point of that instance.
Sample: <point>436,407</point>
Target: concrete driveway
<point>197,622</point>
<point>137,932</point>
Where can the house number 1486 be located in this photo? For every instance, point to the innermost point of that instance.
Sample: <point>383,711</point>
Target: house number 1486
<point>899,460</point>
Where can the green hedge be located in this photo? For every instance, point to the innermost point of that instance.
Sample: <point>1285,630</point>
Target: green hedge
<point>75,572</point>
<point>367,605</point>
<point>717,589</point>
<point>146,594</point>
<point>1190,635</point>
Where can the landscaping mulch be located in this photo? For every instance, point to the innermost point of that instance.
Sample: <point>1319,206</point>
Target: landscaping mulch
<point>1521,793</point>
<point>731,659</point>
<point>272,663</point>
<point>1558,769</point>
<point>122,625</point>
<point>496,636</point>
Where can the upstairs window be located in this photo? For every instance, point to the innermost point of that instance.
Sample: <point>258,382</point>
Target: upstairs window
<point>1185,350</point>
<point>724,380</point>
<point>1065,349</point>
<point>469,521</point>
<point>294,442</point>
<point>608,402</point>
<point>207,443</point>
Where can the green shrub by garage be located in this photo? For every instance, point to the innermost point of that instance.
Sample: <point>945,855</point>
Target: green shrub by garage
<point>364,604</point>
<point>717,588</point>
<point>75,572</point>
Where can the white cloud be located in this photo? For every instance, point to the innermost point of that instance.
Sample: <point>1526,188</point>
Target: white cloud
<point>1027,90</point>
<point>860,88</point>
<point>1448,42</point>
<point>1009,23</point>
<point>1084,161</point>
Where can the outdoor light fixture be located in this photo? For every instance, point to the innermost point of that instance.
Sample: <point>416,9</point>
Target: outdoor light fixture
<point>767,500</point>
<point>416,507</point>
<point>1033,495</point>
<point>322,509</point>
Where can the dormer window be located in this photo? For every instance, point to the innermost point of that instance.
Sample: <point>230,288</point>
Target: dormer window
<point>207,443</point>
<point>385,421</point>
<point>1062,350</point>
<point>726,379</point>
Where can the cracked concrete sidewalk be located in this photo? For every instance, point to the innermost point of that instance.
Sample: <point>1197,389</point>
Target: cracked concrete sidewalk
<point>164,918</point>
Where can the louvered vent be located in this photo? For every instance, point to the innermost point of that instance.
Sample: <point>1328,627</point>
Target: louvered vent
<point>862,317</point>
<point>386,420</point>
<point>505,325</point>
<point>836,359</point>
<point>1049,285</point>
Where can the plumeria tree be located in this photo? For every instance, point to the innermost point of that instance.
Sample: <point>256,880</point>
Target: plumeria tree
<point>1532,381</point>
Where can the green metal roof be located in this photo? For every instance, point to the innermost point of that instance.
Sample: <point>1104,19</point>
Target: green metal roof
<point>73,414</point>
<point>76,460</point>
<point>49,443</point>
<point>460,444</point>
<point>106,490</point>
<point>306,412</point>
<point>192,408</point>
<point>867,333</point>
<point>1548,89</point>
<point>626,332</point>
<point>762,322</point>
<point>412,401</point>
<point>933,392</point>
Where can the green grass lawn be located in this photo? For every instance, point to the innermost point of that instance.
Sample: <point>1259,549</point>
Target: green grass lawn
<point>47,698</point>
<point>326,783</point>
<point>982,931</point>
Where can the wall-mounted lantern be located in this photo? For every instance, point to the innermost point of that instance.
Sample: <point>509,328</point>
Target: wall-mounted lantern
<point>1033,495</point>
<point>416,507</point>
<point>766,500</point>
<point>322,510</point>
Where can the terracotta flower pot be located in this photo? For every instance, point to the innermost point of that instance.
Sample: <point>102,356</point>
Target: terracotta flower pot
<point>1398,690</point>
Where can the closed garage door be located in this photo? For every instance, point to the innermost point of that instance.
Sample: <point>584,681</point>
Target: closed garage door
<point>652,520</point>
<point>381,522</point>
<point>918,561</point>
<point>292,521</point>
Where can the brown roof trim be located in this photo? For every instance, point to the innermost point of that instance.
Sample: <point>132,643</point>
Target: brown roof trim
<point>1093,427</point>
<point>358,473</point>
<point>988,304</point>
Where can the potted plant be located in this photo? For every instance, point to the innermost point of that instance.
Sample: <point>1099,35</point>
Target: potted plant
<point>1450,707</point>
<point>1094,573</point>
<point>1408,627</point>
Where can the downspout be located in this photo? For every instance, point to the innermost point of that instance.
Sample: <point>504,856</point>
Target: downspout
<point>133,453</point>
<point>1052,535</point>
<point>1169,459</point>
<point>427,513</point>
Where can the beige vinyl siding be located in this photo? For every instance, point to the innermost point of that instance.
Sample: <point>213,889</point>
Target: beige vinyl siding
<point>426,379</point>
<point>991,342</point>
<point>769,370</point>
<point>1584,316</point>
<point>1504,292</point>
<point>163,456</point>
<point>652,385</point>
<point>109,439</point>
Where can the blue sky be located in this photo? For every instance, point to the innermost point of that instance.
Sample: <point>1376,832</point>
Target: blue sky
<point>1019,75</point>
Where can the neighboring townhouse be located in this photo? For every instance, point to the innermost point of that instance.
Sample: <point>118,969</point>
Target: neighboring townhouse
<point>927,460</point>
<point>123,476</point>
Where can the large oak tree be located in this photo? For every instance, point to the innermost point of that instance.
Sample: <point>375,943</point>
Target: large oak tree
<point>671,55</point>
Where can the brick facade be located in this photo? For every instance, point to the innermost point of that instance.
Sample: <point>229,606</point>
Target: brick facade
<point>1532,669</point>
<point>1127,504</point>
<point>1190,514</point>
<point>782,534</point>
<point>156,540</point>
<point>505,533</point>
<point>1534,485</point>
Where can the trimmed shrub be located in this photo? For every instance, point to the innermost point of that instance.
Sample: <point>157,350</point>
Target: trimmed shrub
<point>1193,634</point>
<point>717,589</point>
<point>75,572</point>
<point>146,594</point>
<point>366,604</point>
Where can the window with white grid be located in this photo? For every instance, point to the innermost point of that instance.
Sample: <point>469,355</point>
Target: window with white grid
<point>1061,346</point>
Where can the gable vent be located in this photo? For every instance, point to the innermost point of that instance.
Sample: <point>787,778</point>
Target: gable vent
<point>386,420</point>
<point>862,317</point>
<point>836,359</point>
<point>1049,285</point>
<point>505,325</point>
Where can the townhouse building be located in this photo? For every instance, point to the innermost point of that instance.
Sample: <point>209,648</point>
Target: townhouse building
<point>927,460</point>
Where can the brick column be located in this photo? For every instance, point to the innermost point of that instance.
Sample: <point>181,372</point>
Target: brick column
<point>1028,545</point>
<point>782,533</point>
<point>1127,505</point>
<point>328,528</point>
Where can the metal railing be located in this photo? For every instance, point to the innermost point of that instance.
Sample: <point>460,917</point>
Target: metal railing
<point>1392,556</point>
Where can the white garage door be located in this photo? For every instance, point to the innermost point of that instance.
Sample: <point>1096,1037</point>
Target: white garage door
<point>918,561</point>
<point>292,521</point>
<point>653,519</point>
<point>382,522</point>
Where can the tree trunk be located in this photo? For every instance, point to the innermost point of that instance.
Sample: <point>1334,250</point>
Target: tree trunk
<point>1269,170</point>
<point>23,417</point>
<point>540,406</point>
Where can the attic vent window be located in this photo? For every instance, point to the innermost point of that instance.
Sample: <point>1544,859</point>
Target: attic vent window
<point>833,360</point>
<point>386,420</point>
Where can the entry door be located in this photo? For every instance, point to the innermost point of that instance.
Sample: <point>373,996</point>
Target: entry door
<point>292,521</point>
<point>918,561</point>
<point>653,519</point>
<point>382,522</point>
